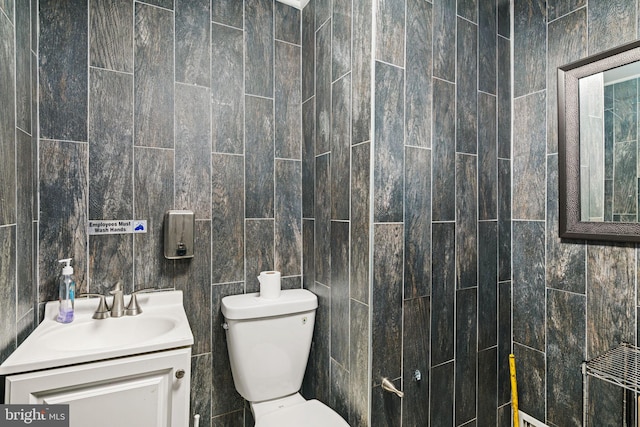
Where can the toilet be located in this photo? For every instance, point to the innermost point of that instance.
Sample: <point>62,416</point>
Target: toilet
<point>269,342</point>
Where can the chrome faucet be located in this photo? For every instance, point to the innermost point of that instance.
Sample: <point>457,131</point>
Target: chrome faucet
<point>117,306</point>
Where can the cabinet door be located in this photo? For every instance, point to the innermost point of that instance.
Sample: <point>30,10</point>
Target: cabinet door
<point>135,391</point>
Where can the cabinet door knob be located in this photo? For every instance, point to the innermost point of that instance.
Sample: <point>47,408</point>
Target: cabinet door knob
<point>180,374</point>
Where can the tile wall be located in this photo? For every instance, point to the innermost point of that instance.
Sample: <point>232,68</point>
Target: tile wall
<point>572,300</point>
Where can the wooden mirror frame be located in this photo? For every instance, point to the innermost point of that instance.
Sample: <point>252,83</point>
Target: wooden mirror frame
<point>571,225</point>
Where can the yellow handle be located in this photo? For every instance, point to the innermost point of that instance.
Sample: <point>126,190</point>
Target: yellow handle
<point>514,390</point>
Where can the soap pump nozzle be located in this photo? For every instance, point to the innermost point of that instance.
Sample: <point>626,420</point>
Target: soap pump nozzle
<point>67,269</point>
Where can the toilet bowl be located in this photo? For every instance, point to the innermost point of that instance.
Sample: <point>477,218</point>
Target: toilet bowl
<point>269,342</point>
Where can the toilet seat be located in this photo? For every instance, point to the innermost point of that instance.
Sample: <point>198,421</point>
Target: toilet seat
<point>311,413</point>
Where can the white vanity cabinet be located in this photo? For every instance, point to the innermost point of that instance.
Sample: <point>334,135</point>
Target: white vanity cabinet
<point>149,390</point>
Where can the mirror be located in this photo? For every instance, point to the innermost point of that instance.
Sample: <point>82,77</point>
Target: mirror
<point>599,146</point>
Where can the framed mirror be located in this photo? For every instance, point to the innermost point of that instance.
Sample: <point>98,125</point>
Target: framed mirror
<point>599,146</point>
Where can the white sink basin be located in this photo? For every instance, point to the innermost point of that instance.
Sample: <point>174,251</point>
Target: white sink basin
<point>162,325</point>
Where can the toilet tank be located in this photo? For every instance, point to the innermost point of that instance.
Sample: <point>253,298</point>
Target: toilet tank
<point>269,342</point>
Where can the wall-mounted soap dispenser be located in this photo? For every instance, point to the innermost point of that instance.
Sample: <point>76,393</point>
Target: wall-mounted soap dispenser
<point>178,234</point>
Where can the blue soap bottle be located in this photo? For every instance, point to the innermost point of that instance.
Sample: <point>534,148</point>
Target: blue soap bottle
<point>67,293</point>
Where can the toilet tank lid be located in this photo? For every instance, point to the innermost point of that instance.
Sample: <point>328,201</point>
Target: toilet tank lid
<point>252,306</point>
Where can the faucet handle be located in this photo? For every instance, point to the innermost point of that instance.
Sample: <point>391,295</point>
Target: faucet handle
<point>116,288</point>
<point>118,300</point>
<point>102,312</point>
<point>133,308</point>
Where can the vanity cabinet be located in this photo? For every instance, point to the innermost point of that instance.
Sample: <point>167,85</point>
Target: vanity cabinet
<point>147,390</point>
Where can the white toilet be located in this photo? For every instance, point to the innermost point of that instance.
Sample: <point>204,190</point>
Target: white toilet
<point>269,342</point>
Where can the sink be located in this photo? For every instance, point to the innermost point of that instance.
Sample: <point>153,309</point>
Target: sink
<point>162,325</point>
<point>94,335</point>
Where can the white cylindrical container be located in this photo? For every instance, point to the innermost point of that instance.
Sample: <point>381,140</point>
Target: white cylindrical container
<point>269,284</point>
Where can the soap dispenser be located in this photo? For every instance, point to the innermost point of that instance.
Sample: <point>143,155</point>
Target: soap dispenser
<point>67,293</point>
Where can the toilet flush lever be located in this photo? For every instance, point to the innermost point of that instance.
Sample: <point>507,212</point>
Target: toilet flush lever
<point>387,385</point>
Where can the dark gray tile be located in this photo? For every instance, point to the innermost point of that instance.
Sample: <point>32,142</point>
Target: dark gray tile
<point>487,46</point>
<point>166,4</point>
<point>192,46</point>
<point>389,147</point>
<point>468,9</point>
<point>153,186</point>
<point>487,284</point>
<point>287,23</point>
<point>193,150</point>
<point>504,98</point>
<point>193,277</point>
<point>153,76</point>
<point>441,399</point>
<point>528,283</point>
<point>287,101</point>
<point>606,409</point>
<point>466,221</point>
<point>111,260</point>
<point>359,363</point>
<point>504,342</point>
<point>625,181</point>
<point>415,357</point>
<point>361,71</point>
<point>610,296</point>
<point>201,384</point>
<point>259,252</point>
<point>340,292</point>
<point>443,294</point>
<point>308,158</point>
<point>340,148</point>
<point>258,47</point>
<point>7,291</point>
<point>288,217</point>
<point>7,124</point>
<point>227,107</point>
<point>308,51</point>
<point>487,157</point>
<point>111,145</point>
<point>417,220</point>
<point>323,89</point>
<point>259,161</point>
<point>317,377</point>
<point>386,407</point>
<point>341,39</point>
<point>444,40</point>
<point>339,388</point>
<point>323,11</point>
<point>292,282</point>
<point>529,37</point>
<point>505,416</point>
<point>443,155</point>
<point>565,268</point>
<point>227,12</point>
<point>487,383</point>
<point>567,42</point>
<point>390,33</point>
<point>504,219</point>
<point>611,23</point>
<point>565,352</point>
<point>25,227</point>
<point>7,7</point>
<point>530,368</point>
<point>308,261</point>
<point>23,66</point>
<point>360,221</point>
<point>227,218</point>
<point>63,216</point>
<point>323,219</point>
<point>504,18</point>
<point>111,35</point>
<point>466,354</point>
<point>467,87</point>
<point>418,74</point>
<point>529,157</point>
<point>558,8</point>
<point>62,52</point>
<point>224,397</point>
<point>386,333</point>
